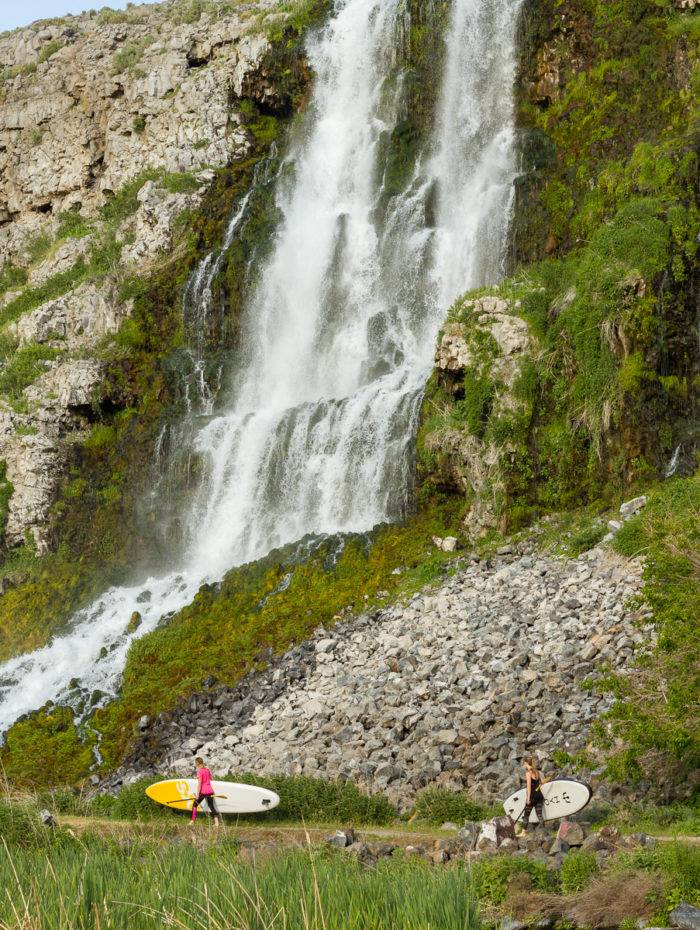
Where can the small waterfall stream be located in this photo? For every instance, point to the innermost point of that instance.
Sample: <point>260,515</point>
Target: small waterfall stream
<point>338,332</point>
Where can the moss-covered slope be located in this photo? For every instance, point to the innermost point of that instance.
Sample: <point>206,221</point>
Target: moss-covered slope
<point>605,270</point>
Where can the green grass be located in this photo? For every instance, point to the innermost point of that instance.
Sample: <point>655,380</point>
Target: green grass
<point>655,714</point>
<point>87,883</point>
<point>130,54</point>
<point>23,367</point>
<point>679,866</point>
<point>577,870</point>
<point>491,876</point>
<point>439,805</point>
<point>675,819</point>
<point>6,491</point>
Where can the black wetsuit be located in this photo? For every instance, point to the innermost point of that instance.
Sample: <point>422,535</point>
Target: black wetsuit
<point>536,800</point>
<point>211,803</point>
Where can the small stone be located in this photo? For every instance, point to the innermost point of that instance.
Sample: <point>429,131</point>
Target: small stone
<point>134,622</point>
<point>439,856</point>
<point>448,825</point>
<point>47,819</point>
<point>685,916</point>
<point>510,923</point>
<point>508,845</point>
<point>468,835</point>
<point>414,850</point>
<point>144,722</point>
<point>630,508</point>
<point>341,838</point>
<point>572,834</point>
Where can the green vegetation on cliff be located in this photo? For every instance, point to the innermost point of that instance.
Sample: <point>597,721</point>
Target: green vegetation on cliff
<point>605,240</point>
<point>654,724</point>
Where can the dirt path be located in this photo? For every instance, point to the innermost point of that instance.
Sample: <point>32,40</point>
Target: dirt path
<point>283,834</point>
<point>294,835</point>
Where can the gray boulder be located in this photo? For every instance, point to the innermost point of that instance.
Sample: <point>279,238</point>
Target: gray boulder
<point>685,916</point>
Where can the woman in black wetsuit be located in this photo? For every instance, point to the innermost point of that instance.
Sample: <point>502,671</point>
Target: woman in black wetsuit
<point>533,793</point>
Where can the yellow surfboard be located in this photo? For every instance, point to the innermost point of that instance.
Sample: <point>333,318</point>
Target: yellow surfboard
<point>230,797</point>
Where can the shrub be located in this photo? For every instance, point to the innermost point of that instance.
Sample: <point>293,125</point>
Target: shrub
<point>12,277</point>
<point>315,799</point>
<point>654,716</point>
<point>50,49</point>
<point>71,225</point>
<point>577,870</point>
<point>21,826</point>
<point>24,367</point>
<point>130,55</point>
<point>6,491</point>
<point>439,805</point>
<point>678,864</point>
<point>491,878</point>
<point>131,803</point>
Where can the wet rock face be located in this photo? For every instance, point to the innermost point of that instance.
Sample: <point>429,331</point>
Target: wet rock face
<point>450,689</point>
<point>489,343</point>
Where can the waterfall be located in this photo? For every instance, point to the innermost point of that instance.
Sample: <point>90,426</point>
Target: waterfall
<point>338,332</point>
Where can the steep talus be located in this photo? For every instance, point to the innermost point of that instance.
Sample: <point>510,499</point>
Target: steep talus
<point>450,688</point>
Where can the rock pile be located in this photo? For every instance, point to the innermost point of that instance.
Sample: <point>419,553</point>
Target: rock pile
<point>547,844</point>
<point>449,689</point>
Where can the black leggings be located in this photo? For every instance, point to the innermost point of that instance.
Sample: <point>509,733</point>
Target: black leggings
<point>535,801</point>
<point>211,804</point>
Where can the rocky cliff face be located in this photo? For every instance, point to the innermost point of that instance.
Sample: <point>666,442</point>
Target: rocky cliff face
<point>111,127</point>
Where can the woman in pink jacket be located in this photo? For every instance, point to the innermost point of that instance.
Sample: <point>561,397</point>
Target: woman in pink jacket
<point>205,792</point>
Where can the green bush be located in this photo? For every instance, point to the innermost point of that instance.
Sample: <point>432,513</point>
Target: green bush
<point>577,870</point>
<point>130,55</point>
<point>12,277</point>
<point>679,865</point>
<point>490,877</point>
<point>303,798</point>
<point>49,49</point>
<point>24,367</point>
<point>131,803</point>
<point>21,826</point>
<point>6,491</point>
<point>439,805</point>
<point>654,717</point>
<point>71,225</point>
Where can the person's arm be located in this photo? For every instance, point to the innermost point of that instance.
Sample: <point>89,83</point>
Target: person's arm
<point>528,795</point>
<point>199,783</point>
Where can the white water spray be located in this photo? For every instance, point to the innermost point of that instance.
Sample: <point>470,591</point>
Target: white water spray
<point>338,336</point>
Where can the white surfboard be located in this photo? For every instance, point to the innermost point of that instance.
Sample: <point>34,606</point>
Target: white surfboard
<point>230,797</point>
<point>562,798</point>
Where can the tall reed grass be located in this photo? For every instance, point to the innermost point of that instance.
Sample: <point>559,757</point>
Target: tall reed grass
<point>90,884</point>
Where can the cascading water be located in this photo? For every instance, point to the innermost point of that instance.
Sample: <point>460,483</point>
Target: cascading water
<point>338,333</point>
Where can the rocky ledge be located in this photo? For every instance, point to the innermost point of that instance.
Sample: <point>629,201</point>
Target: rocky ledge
<point>450,688</point>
